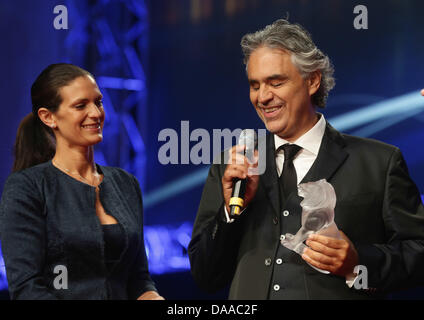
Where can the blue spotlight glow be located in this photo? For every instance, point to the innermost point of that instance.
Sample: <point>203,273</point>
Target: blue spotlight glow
<point>166,247</point>
<point>175,187</point>
<point>121,83</point>
<point>387,122</point>
<point>3,281</point>
<point>391,107</point>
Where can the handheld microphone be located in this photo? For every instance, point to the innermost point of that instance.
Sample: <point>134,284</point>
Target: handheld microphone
<point>249,139</point>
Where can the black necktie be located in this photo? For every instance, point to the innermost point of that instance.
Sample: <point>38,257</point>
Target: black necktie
<point>288,178</point>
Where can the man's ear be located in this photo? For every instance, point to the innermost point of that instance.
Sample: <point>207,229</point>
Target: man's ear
<point>314,82</point>
<point>46,116</point>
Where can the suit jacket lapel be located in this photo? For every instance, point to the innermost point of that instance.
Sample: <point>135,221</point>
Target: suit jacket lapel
<point>330,157</point>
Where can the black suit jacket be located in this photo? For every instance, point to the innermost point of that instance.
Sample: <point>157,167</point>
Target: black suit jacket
<point>378,207</point>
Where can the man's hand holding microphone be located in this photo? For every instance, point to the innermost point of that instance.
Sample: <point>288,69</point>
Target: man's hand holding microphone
<point>240,179</point>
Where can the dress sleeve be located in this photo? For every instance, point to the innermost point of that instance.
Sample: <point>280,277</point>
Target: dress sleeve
<point>23,238</point>
<point>139,280</point>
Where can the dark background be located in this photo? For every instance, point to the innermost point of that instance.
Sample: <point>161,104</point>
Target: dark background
<point>189,68</point>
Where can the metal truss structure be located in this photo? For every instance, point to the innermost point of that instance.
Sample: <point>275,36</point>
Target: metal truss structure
<point>110,39</point>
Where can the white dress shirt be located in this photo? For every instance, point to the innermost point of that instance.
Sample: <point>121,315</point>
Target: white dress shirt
<point>305,158</point>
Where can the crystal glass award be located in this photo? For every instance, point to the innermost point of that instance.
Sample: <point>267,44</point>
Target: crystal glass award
<point>319,201</point>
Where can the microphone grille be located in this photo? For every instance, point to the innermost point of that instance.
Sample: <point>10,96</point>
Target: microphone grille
<point>248,138</point>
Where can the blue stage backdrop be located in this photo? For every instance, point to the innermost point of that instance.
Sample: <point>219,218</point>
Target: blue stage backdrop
<point>177,65</point>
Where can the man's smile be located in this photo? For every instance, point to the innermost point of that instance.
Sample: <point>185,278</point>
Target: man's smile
<point>271,111</point>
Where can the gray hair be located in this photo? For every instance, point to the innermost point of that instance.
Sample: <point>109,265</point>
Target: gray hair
<point>305,55</point>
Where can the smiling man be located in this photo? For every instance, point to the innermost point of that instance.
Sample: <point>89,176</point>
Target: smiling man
<point>379,209</point>
<point>280,94</point>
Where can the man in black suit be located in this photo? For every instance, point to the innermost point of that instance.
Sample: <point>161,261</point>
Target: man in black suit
<point>379,209</point>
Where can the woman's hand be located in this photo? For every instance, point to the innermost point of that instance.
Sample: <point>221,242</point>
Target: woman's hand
<point>150,295</point>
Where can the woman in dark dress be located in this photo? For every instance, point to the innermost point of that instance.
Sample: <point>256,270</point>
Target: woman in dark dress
<point>69,228</point>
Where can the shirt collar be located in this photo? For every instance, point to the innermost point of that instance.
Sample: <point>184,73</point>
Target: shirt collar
<point>309,141</point>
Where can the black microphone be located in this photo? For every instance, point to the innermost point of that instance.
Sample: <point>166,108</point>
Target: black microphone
<point>249,139</point>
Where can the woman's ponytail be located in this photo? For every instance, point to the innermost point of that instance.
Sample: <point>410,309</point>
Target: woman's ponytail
<point>34,144</point>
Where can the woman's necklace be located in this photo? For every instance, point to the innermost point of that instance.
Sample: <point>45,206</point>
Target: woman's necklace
<point>95,175</point>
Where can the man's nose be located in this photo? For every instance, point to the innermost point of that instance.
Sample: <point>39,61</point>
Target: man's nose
<point>265,95</point>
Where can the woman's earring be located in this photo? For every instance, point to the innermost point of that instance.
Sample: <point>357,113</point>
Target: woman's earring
<point>53,126</point>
